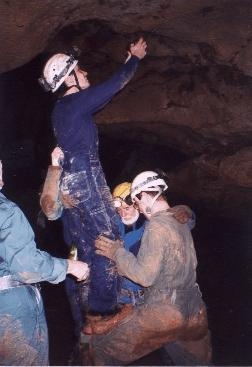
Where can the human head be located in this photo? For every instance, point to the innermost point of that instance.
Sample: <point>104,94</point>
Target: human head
<point>56,70</point>
<point>152,184</point>
<point>123,203</point>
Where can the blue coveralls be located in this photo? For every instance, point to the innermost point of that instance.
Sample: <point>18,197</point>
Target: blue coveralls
<point>84,180</point>
<point>132,292</point>
<point>23,327</point>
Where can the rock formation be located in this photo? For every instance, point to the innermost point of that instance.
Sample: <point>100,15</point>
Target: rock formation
<point>191,94</point>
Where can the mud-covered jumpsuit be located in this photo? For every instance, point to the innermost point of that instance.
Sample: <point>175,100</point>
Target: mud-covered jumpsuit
<point>23,327</point>
<point>173,312</point>
<point>83,179</point>
<point>132,292</point>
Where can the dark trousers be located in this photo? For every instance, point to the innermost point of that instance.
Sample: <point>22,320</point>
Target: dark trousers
<point>92,215</point>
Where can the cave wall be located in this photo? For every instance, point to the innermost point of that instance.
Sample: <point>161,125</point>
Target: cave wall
<point>189,102</point>
<point>186,111</point>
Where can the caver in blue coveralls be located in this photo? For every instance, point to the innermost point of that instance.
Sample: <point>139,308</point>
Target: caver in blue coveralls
<point>23,327</point>
<point>83,179</point>
<point>131,292</point>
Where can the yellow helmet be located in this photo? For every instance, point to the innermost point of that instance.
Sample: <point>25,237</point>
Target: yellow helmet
<point>121,194</point>
<point>122,190</point>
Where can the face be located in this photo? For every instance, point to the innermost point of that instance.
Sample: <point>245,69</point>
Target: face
<point>142,202</point>
<point>127,212</point>
<point>82,77</point>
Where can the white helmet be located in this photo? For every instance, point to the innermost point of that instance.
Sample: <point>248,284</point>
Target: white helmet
<point>56,70</point>
<point>147,181</point>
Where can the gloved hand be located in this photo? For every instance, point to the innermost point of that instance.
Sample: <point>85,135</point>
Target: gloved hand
<point>182,213</point>
<point>106,247</point>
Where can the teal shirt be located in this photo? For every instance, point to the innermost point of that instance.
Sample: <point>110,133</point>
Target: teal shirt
<point>19,255</point>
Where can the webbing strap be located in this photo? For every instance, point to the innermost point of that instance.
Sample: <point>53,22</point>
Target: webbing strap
<point>8,281</point>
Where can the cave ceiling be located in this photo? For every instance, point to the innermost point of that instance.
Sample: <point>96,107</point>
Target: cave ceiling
<point>192,92</point>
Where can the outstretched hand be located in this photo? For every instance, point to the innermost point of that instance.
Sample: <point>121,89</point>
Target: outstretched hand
<point>138,48</point>
<point>106,247</point>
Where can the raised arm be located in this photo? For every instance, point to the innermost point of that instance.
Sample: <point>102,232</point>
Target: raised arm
<point>95,98</point>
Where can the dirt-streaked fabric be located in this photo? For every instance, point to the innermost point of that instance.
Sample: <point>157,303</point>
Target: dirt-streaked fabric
<point>173,310</point>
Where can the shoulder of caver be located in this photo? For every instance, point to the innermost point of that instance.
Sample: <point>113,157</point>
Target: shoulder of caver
<point>164,228</point>
<point>6,205</point>
<point>161,221</point>
<point>7,209</point>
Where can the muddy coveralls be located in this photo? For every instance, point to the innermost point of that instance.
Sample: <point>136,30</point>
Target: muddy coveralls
<point>54,207</point>
<point>83,179</point>
<point>23,327</point>
<point>173,309</point>
<point>132,292</point>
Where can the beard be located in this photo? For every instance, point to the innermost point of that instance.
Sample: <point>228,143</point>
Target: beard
<point>132,220</point>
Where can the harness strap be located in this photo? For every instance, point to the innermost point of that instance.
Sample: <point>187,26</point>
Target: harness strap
<point>8,281</point>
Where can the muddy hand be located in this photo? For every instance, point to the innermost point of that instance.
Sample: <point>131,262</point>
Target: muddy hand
<point>106,247</point>
<point>182,213</point>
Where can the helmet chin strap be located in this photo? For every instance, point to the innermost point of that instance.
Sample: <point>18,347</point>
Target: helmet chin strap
<point>148,208</point>
<point>77,85</point>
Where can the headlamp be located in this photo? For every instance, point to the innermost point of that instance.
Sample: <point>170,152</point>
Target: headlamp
<point>118,201</point>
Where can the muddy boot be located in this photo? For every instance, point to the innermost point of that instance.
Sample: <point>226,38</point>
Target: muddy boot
<point>103,324</point>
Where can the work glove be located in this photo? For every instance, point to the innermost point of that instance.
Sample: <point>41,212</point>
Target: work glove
<point>107,247</point>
